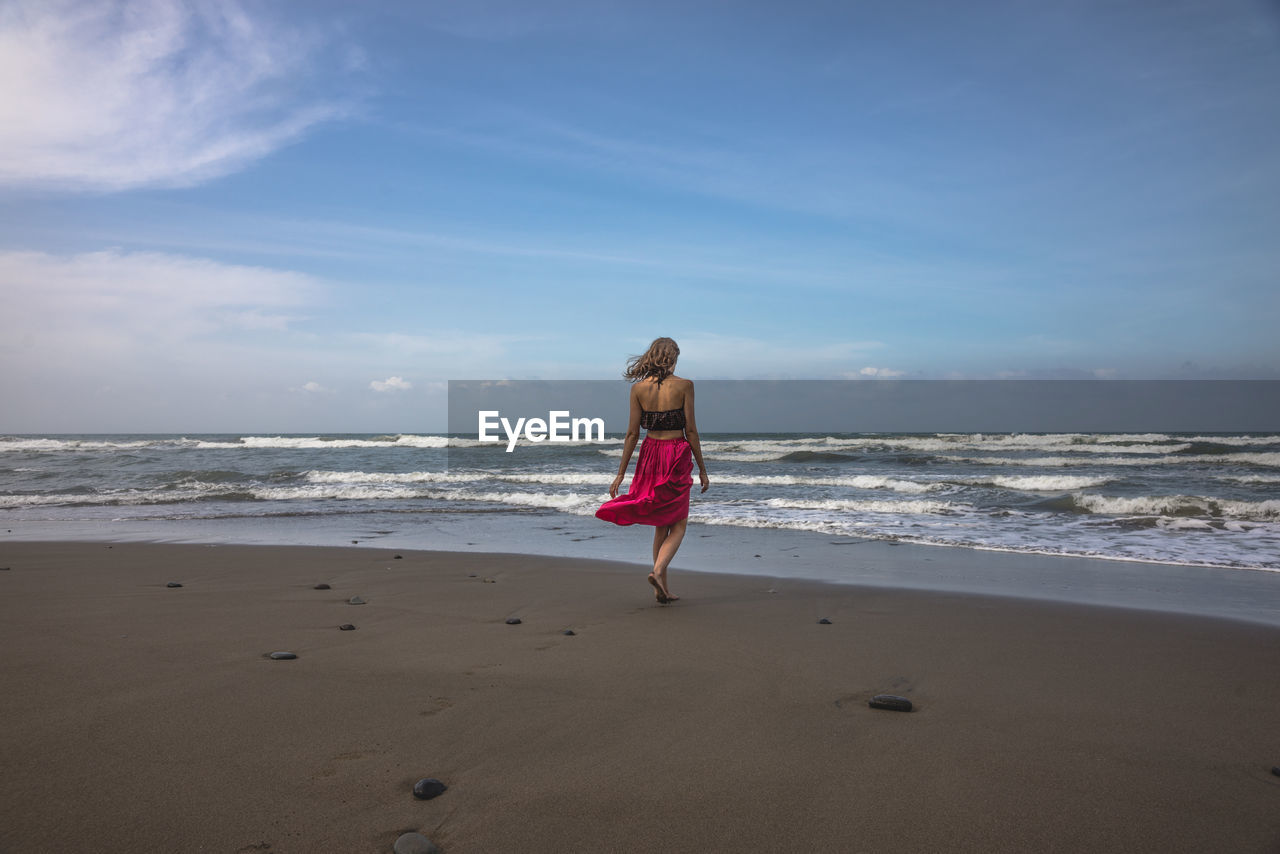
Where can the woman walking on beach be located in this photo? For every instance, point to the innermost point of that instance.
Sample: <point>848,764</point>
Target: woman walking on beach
<point>661,403</point>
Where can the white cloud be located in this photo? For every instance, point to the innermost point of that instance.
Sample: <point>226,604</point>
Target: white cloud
<point>128,93</point>
<point>710,354</point>
<point>887,373</point>
<point>391,384</point>
<point>114,301</point>
<point>315,388</point>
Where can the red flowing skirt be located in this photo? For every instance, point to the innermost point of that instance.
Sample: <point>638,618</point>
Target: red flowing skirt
<point>659,492</point>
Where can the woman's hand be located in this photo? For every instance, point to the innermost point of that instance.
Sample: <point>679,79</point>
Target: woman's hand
<point>613,487</point>
<point>706,482</point>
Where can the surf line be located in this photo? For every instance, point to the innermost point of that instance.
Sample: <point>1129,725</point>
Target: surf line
<point>559,426</point>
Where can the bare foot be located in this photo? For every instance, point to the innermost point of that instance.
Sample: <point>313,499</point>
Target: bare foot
<point>659,593</point>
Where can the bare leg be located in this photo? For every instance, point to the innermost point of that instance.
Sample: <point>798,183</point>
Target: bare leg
<point>659,534</point>
<point>666,551</point>
<point>659,537</point>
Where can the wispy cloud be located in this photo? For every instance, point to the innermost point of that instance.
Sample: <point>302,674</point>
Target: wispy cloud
<point>731,356</point>
<point>127,298</point>
<point>391,384</point>
<point>113,95</point>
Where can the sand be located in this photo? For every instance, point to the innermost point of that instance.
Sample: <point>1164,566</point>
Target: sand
<point>142,718</point>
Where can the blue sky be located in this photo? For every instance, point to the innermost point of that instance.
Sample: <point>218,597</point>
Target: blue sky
<point>308,216</point>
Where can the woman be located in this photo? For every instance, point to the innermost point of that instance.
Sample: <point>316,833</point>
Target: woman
<point>661,403</point>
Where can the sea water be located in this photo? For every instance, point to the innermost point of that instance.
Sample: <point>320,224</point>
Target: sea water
<point>1210,500</point>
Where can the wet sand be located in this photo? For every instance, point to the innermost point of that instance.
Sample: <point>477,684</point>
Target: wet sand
<point>137,717</point>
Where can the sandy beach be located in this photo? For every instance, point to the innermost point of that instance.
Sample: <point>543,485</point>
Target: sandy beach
<point>142,718</point>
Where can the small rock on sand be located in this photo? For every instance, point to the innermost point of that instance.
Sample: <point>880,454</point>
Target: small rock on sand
<point>428,788</point>
<point>322,587</point>
<point>415,843</point>
<point>489,580</point>
<point>514,621</point>
<point>355,600</point>
<point>892,702</point>
<point>283,656</point>
<point>346,627</point>
<point>1275,769</point>
<point>398,557</point>
<point>824,622</point>
<point>569,632</point>
<point>173,584</point>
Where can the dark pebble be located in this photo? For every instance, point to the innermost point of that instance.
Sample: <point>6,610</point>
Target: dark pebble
<point>353,542</point>
<point>355,600</point>
<point>346,627</point>
<point>824,622</point>
<point>892,702</point>
<point>173,584</point>
<point>514,621</point>
<point>1275,769</point>
<point>757,555</point>
<point>472,575</point>
<point>283,656</point>
<point>428,788</point>
<point>322,587</point>
<point>4,569</point>
<point>398,557</point>
<point>414,843</point>
<point>569,632</point>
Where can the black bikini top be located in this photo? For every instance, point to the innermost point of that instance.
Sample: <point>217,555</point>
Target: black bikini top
<point>670,419</point>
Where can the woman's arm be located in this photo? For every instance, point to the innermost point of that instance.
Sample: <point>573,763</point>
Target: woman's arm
<point>628,444</point>
<point>691,436</point>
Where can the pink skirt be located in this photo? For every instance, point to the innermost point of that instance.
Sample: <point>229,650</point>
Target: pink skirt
<point>659,492</point>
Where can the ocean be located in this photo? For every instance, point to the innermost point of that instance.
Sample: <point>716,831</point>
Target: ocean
<point>1206,500</point>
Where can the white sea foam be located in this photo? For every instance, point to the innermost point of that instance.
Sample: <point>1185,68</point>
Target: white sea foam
<point>1148,443</point>
<point>1261,459</point>
<point>52,445</point>
<point>364,477</point>
<point>1251,478</point>
<point>1037,482</point>
<point>853,482</point>
<point>571,502</point>
<point>1179,505</point>
<point>867,505</point>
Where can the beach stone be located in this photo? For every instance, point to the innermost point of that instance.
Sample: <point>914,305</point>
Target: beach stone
<point>398,557</point>
<point>472,575</point>
<point>892,702</point>
<point>1275,769</point>
<point>346,627</point>
<point>757,555</point>
<point>353,542</point>
<point>173,584</point>
<point>355,600</point>
<point>489,580</point>
<point>415,843</point>
<point>428,788</point>
<point>569,632</point>
<point>322,587</point>
<point>514,621</point>
<point>4,569</point>
<point>283,656</point>
<point>824,622</point>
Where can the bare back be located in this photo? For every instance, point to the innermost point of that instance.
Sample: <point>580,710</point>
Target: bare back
<point>660,398</point>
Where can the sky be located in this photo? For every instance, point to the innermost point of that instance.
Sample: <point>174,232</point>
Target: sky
<point>309,216</point>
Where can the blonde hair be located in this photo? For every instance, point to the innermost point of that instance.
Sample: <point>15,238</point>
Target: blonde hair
<point>659,361</point>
